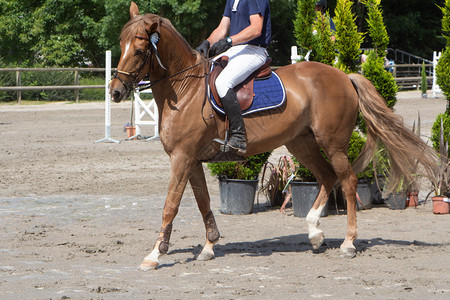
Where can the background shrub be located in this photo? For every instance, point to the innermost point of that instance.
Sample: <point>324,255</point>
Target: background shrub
<point>383,80</point>
<point>92,94</point>
<point>443,73</point>
<point>436,130</point>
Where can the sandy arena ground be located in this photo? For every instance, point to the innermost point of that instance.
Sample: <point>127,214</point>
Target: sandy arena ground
<point>77,218</point>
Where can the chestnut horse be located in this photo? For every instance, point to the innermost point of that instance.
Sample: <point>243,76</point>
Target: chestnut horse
<point>322,104</point>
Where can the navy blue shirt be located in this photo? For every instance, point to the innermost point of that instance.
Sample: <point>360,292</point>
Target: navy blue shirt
<point>240,19</point>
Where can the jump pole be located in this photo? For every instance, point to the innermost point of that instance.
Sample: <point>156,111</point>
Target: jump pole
<point>107,137</point>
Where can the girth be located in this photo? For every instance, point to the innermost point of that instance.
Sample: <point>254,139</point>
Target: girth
<point>244,90</point>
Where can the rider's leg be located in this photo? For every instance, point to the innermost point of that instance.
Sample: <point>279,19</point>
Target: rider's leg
<point>237,129</point>
<point>243,60</point>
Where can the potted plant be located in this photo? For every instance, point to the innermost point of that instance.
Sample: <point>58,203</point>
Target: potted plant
<point>412,190</point>
<point>238,182</point>
<point>398,198</point>
<point>441,180</point>
<point>275,180</point>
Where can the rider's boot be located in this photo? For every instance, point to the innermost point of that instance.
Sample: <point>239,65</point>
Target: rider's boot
<point>233,111</point>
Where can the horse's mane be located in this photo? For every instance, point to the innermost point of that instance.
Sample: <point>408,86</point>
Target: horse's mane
<point>135,25</point>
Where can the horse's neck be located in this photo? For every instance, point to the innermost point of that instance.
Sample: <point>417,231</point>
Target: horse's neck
<point>184,81</point>
<point>184,87</point>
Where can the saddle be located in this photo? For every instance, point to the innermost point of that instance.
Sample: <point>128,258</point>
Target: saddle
<point>244,90</point>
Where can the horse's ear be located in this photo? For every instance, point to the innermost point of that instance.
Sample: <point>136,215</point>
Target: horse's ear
<point>134,10</point>
<point>152,24</point>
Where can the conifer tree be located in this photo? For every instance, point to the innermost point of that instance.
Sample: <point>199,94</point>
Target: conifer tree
<point>312,32</point>
<point>374,69</point>
<point>377,29</point>
<point>325,47</point>
<point>424,84</point>
<point>304,25</point>
<point>443,67</point>
<point>348,39</point>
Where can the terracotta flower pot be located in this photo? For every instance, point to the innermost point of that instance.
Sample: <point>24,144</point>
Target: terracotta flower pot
<point>131,131</point>
<point>441,205</point>
<point>412,198</point>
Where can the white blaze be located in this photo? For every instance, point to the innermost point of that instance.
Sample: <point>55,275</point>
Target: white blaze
<point>127,46</point>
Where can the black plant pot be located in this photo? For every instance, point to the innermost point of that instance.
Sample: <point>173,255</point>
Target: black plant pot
<point>237,196</point>
<point>303,196</point>
<point>397,200</point>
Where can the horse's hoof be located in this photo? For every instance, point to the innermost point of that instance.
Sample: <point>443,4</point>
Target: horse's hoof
<point>348,252</point>
<point>205,255</point>
<point>317,240</point>
<point>148,265</point>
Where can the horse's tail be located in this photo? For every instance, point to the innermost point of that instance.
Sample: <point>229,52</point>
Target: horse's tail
<point>406,150</point>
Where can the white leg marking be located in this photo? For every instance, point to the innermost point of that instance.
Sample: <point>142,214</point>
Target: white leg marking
<point>151,262</point>
<point>313,219</point>
<point>154,255</point>
<point>315,235</point>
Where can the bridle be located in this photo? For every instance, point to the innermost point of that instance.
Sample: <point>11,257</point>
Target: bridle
<point>153,40</point>
<point>134,74</point>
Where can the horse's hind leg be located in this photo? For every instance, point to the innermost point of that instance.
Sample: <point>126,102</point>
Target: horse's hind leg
<point>307,151</point>
<point>201,194</point>
<point>348,180</point>
<point>336,151</point>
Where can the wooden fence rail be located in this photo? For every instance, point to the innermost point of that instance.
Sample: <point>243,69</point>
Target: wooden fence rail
<point>76,87</point>
<point>50,87</point>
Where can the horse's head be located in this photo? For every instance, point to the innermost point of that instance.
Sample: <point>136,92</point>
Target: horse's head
<point>136,46</point>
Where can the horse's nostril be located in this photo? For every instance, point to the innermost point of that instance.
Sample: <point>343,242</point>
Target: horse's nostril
<point>116,95</point>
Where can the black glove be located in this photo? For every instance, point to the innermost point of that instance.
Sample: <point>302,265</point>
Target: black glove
<point>219,47</point>
<point>203,48</point>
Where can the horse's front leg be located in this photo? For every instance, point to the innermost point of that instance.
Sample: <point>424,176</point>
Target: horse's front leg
<point>180,173</point>
<point>201,194</point>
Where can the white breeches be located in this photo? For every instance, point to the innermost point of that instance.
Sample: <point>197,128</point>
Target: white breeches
<point>244,60</point>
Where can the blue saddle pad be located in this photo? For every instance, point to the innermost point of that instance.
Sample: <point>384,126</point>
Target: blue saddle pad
<point>269,93</point>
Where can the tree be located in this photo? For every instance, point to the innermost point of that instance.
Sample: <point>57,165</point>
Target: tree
<point>61,32</point>
<point>312,31</point>
<point>325,46</point>
<point>377,29</point>
<point>383,80</point>
<point>282,13</point>
<point>414,25</point>
<point>15,22</point>
<point>304,25</point>
<point>194,19</point>
<point>348,39</point>
<point>443,67</point>
<point>71,33</point>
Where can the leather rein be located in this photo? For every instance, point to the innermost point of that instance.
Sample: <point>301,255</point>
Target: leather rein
<point>153,40</point>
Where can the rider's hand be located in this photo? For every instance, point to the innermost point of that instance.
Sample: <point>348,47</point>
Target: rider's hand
<point>203,48</point>
<point>220,47</point>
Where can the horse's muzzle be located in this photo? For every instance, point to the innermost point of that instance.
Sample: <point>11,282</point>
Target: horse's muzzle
<point>118,91</point>
<point>116,95</point>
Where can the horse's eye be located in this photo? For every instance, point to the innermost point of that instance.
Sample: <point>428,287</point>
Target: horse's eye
<point>139,52</point>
